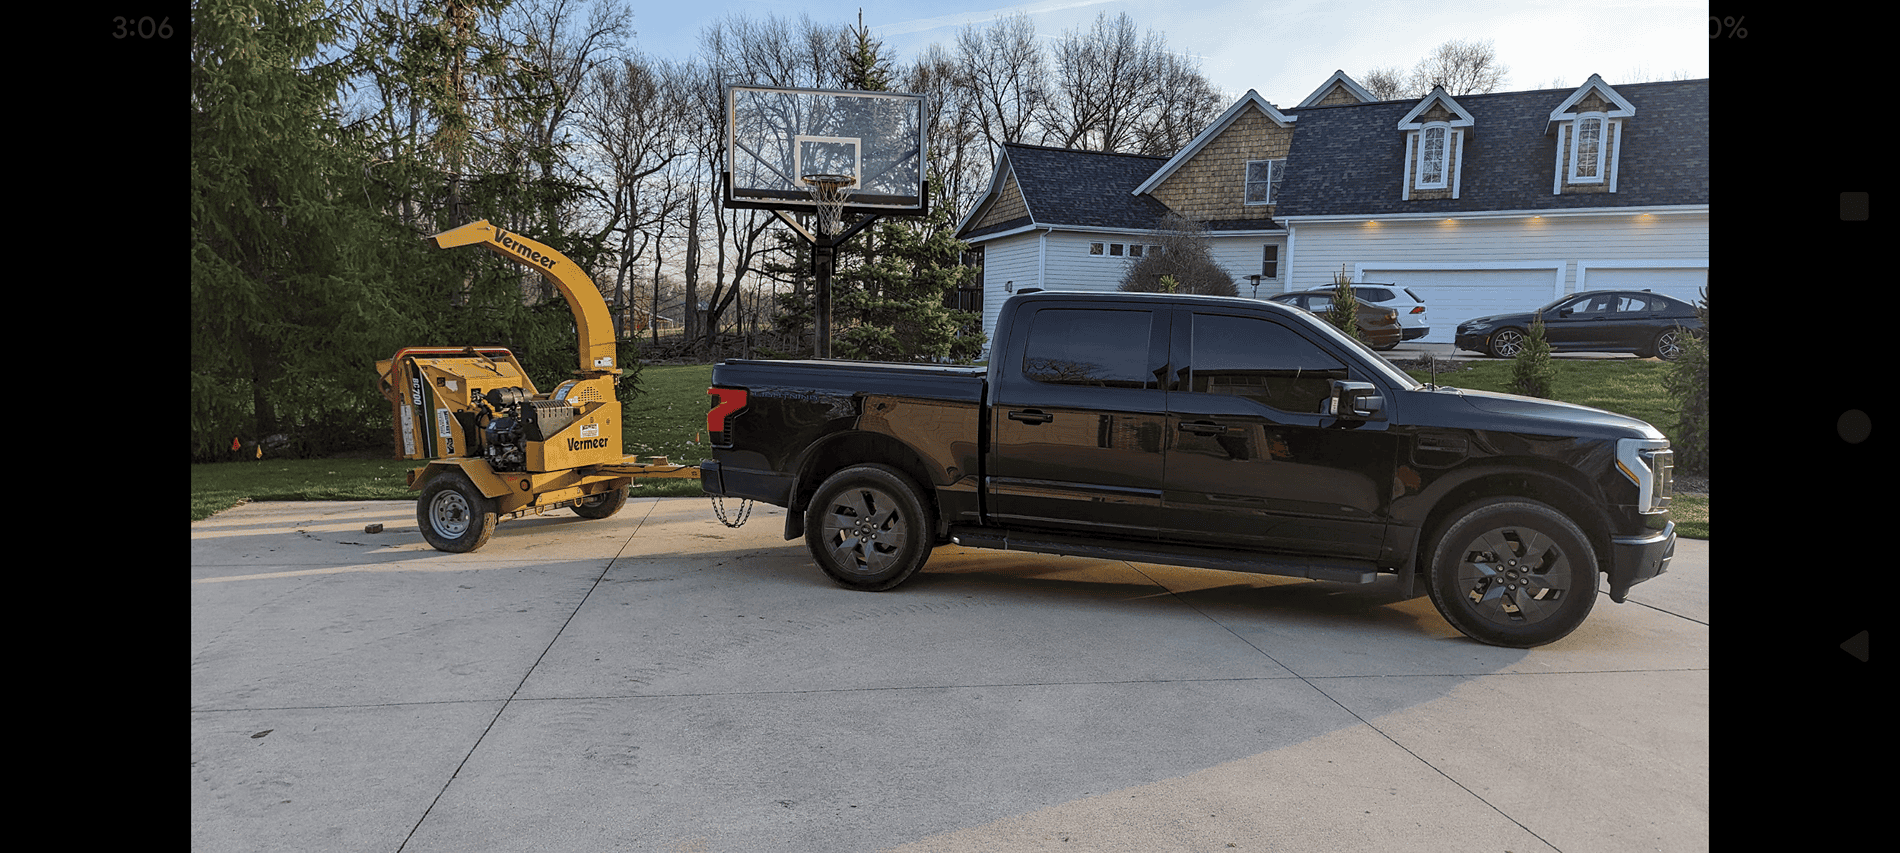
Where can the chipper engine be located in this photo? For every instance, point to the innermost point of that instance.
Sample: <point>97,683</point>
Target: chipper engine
<point>496,447</point>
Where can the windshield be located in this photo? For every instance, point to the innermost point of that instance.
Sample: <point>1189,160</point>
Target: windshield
<point>1374,359</point>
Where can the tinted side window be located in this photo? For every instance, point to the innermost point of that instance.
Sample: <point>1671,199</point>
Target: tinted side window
<point>1376,294</point>
<point>1100,348</point>
<point>1262,361</point>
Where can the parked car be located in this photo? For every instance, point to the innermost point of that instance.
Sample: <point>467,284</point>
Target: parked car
<point>1378,326</point>
<point>1411,306</point>
<point>1638,321</point>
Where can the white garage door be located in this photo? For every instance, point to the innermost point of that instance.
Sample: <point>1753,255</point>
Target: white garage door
<point>1684,284</point>
<point>1454,296</point>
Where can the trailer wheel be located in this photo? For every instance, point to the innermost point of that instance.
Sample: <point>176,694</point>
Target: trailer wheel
<point>601,505</point>
<point>868,528</point>
<point>1513,573</point>
<point>454,515</point>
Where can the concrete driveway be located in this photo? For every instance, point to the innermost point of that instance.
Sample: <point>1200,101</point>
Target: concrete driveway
<point>659,682</point>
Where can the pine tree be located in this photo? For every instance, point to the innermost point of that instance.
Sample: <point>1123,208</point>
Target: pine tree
<point>1344,313</point>
<point>1688,383</point>
<point>289,266</point>
<point>1532,372</point>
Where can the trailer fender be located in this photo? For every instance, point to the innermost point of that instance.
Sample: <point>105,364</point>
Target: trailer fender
<point>477,470</point>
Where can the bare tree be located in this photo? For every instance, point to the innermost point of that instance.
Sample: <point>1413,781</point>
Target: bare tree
<point>1386,83</point>
<point>1105,82</point>
<point>1461,67</point>
<point>1184,105</point>
<point>1003,72</point>
<point>633,117</point>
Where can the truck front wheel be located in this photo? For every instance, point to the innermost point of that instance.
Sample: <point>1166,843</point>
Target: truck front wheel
<point>868,528</point>
<point>1513,573</point>
<point>453,514</point>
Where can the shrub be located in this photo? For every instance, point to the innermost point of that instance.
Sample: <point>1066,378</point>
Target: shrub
<point>1344,315</point>
<point>1532,371</point>
<point>1184,258</point>
<point>1688,384</point>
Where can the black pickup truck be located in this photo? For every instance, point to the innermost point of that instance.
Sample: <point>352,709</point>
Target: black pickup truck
<point>1202,431</point>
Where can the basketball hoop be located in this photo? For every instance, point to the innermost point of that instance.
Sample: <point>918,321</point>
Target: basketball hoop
<point>830,192</point>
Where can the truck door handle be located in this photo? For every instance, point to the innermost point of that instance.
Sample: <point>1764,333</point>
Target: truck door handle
<point>1203,428</point>
<point>1032,417</point>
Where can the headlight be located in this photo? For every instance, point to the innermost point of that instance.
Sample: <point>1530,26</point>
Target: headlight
<point>1650,464</point>
<point>1475,326</point>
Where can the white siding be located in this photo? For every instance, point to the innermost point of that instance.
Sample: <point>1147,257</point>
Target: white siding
<point>1507,260</point>
<point>1242,257</point>
<point>1010,259</point>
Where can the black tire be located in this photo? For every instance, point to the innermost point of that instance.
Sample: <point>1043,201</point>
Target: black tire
<point>601,505</point>
<point>869,528</point>
<point>1513,573</point>
<point>1507,343</point>
<point>1667,346</point>
<point>454,515</point>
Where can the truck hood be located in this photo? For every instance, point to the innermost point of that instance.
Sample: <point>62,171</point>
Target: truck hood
<point>1530,414</point>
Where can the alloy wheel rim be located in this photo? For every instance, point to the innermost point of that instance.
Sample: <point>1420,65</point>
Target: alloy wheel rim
<point>864,531</point>
<point>1513,576</point>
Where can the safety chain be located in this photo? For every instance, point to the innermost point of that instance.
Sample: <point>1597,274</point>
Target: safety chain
<point>719,509</point>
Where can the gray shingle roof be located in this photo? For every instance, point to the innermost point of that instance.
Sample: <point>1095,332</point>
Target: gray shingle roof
<point>1350,159</point>
<point>1081,189</point>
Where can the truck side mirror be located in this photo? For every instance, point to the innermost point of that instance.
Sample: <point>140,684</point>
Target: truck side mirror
<point>1356,400</point>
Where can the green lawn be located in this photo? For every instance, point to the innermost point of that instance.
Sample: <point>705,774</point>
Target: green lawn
<point>669,419</point>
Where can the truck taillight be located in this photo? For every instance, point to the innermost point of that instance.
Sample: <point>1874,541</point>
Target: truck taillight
<point>726,402</point>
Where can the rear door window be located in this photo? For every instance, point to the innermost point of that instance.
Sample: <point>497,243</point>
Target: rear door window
<point>1089,347</point>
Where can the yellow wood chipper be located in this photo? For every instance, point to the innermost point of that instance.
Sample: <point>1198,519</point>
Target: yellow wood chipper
<point>496,447</point>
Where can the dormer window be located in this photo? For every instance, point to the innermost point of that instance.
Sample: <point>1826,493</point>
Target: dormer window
<point>1586,156</point>
<point>1434,144</point>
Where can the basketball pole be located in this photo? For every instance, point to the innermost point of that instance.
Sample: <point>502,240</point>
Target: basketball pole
<point>824,257</point>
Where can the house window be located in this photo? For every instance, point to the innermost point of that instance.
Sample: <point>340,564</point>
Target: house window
<point>1434,144</point>
<point>1586,153</point>
<point>1097,248</point>
<point>1263,180</point>
<point>1134,250</point>
<point>1270,262</point>
<point>1115,249</point>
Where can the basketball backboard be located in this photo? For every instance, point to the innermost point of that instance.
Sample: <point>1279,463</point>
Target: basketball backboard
<point>775,138</point>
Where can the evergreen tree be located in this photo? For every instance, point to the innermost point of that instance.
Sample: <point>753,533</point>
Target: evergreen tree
<point>1688,383</point>
<point>289,268</point>
<point>1532,372</point>
<point>1344,313</point>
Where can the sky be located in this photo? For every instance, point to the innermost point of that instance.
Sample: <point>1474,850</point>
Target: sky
<point>1284,49</point>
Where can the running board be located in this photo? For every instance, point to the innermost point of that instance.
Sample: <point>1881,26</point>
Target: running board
<point>1314,568</point>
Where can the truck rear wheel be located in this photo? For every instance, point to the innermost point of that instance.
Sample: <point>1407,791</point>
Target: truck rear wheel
<point>601,505</point>
<point>868,528</point>
<point>1513,573</point>
<point>453,514</point>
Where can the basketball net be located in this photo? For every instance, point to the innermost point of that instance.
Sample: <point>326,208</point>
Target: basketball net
<point>830,193</point>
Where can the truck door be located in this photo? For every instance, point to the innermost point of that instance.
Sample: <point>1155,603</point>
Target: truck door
<point>1253,461</point>
<point>1076,421</point>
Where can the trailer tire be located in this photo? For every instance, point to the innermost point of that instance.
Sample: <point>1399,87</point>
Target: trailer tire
<point>602,505</point>
<point>869,528</point>
<point>1513,573</point>
<point>454,515</point>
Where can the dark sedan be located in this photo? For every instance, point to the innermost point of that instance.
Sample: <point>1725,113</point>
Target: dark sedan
<point>1378,326</point>
<point>1647,324</point>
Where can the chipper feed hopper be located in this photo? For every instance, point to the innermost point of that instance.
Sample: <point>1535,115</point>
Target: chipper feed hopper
<point>497,448</point>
